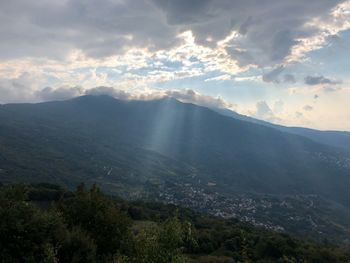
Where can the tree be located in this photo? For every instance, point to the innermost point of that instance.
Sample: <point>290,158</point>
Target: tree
<point>159,244</point>
<point>99,217</point>
<point>26,233</point>
<point>77,247</point>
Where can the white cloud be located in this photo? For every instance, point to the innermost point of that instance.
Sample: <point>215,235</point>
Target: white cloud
<point>192,96</point>
<point>264,112</point>
<point>19,89</point>
<point>62,93</point>
<point>323,28</point>
<point>219,78</point>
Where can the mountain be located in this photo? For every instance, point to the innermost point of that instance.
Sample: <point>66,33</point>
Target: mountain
<point>339,139</point>
<point>179,153</point>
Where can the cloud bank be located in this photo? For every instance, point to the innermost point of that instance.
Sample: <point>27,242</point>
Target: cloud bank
<point>241,51</point>
<point>266,32</point>
<point>187,95</point>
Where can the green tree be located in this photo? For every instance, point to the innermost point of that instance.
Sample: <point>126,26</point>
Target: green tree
<point>77,247</point>
<point>26,233</point>
<point>99,217</point>
<point>159,244</point>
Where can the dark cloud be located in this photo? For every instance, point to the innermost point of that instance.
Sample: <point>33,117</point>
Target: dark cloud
<point>273,29</point>
<point>185,11</point>
<point>282,43</point>
<point>317,80</point>
<point>99,28</point>
<point>289,78</point>
<point>243,29</point>
<point>272,76</point>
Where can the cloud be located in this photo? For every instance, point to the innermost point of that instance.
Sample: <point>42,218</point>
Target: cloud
<point>19,89</point>
<point>308,108</point>
<point>328,89</point>
<point>317,80</point>
<point>98,28</point>
<point>249,78</point>
<point>265,33</point>
<point>110,91</point>
<point>194,97</point>
<point>325,29</point>
<point>262,109</point>
<point>185,11</point>
<point>187,95</point>
<point>219,78</point>
<point>289,78</point>
<point>267,30</point>
<point>272,76</point>
<point>62,93</point>
<point>264,112</point>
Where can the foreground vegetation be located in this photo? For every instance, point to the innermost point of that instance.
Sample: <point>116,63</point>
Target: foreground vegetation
<point>44,223</point>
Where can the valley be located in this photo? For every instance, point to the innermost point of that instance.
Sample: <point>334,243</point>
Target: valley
<point>192,157</point>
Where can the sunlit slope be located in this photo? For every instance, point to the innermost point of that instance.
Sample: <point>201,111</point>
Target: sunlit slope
<point>140,144</point>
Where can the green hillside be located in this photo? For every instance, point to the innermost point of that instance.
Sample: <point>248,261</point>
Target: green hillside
<point>180,153</point>
<point>45,223</point>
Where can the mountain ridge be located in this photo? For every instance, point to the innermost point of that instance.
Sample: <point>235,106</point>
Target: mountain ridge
<point>87,108</point>
<point>335,138</point>
<point>179,153</point>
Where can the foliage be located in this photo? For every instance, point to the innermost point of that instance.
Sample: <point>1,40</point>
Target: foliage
<point>98,216</point>
<point>27,234</point>
<point>77,247</point>
<point>159,244</point>
<point>87,226</point>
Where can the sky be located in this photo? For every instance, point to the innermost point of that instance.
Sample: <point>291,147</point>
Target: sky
<point>286,62</point>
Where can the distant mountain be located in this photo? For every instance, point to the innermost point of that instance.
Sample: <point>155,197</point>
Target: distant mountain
<point>177,153</point>
<point>333,138</point>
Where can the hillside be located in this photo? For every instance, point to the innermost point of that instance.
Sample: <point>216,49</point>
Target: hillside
<point>46,223</point>
<point>339,139</point>
<point>180,153</point>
